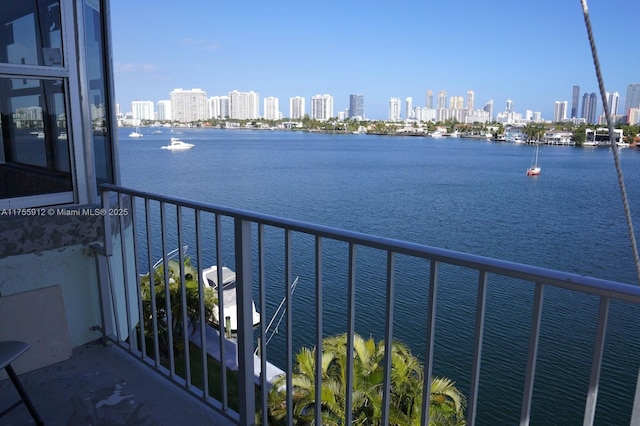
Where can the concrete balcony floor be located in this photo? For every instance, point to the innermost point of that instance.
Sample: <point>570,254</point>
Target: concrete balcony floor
<point>103,385</point>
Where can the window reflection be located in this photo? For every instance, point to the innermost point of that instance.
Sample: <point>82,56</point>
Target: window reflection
<point>98,91</point>
<point>30,32</point>
<point>35,147</point>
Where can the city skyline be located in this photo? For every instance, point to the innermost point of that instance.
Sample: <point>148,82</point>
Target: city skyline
<point>275,50</point>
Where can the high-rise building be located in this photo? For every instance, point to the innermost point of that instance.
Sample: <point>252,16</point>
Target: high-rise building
<point>225,112</point>
<point>408,107</point>
<point>164,110</point>
<point>189,105</point>
<point>509,106</point>
<point>271,109</point>
<point>356,106</point>
<point>560,111</point>
<point>632,99</point>
<point>244,105</point>
<point>321,107</point>
<point>575,100</point>
<point>442,99</point>
<point>456,102</point>
<point>471,97</point>
<point>214,107</point>
<point>394,109</point>
<point>296,108</point>
<point>488,107</point>
<point>633,116</point>
<point>613,101</point>
<point>429,103</point>
<point>589,107</point>
<point>142,110</point>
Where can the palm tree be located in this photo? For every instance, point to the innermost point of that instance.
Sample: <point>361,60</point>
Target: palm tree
<point>446,403</point>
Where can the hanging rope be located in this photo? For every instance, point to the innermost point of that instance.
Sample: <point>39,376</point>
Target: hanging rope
<point>614,147</point>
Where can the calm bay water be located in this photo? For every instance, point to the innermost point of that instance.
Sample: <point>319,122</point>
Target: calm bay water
<point>460,194</point>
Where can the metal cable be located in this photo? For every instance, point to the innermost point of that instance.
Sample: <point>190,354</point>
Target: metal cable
<point>614,147</point>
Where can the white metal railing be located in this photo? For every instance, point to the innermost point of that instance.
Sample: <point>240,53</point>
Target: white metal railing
<point>170,222</point>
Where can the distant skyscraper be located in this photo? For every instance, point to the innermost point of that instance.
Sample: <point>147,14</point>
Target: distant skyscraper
<point>442,99</point>
<point>224,107</point>
<point>356,106</point>
<point>164,110</point>
<point>296,108</point>
<point>575,100</point>
<point>429,103</point>
<point>488,107</point>
<point>142,110</point>
<point>560,111</point>
<point>632,99</point>
<point>271,109</point>
<point>456,102</point>
<point>214,107</point>
<point>408,107</point>
<point>471,96</point>
<point>509,106</point>
<point>244,105</point>
<point>321,107</point>
<point>189,105</point>
<point>394,109</point>
<point>589,106</point>
<point>613,100</point>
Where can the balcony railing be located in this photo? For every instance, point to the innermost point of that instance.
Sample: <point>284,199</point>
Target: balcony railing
<point>145,227</point>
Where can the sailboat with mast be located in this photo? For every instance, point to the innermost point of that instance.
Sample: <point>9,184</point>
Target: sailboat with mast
<point>136,133</point>
<point>534,170</point>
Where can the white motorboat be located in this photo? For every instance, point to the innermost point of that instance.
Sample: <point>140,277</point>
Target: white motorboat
<point>178,145</point>
<point>136,133</point>
<point>229,296</point>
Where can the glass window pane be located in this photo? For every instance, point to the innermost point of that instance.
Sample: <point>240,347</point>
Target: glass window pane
<point>30,33</point>
<point>35,157</point>
<point>98,90</point>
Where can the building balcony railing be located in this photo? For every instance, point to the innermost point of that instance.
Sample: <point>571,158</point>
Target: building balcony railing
<point>349,283</point>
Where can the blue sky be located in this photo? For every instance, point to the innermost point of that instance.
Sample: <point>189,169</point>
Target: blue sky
<point>529,52</point>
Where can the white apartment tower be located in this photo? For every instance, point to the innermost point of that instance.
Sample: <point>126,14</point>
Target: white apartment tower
<point>394,109</point>
<point>560,111</point>
<point>271,109</point>
<point>456,102</point>
<point>442,99</point>
<point>142,110</point>
<point>296,108</point>
<point>214,107</point>
<point>164,110</point>
<point>244,105</point>
<point>189,105</point>
<point>429,103</point>
<point>408,107</point>
<point>471,97</point>
<point>321,107</point>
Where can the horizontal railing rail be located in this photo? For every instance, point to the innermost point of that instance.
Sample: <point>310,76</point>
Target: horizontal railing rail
<point>249,239</point>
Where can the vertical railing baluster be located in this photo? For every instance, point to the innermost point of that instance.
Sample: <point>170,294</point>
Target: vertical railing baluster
<point>477,350</point>
<point>596,364</point>
<point>289,337</point>
<point>534,338</point>
<point>318,360</point>
<point>167,294</point>
<point>134,230</point>
<point>246,386</point>
<point>351,315</point>
<point>221,319</point>
<point>262,285</point>
<point>388,339</point>
<point>182,282</point>
<point>635,412</point>
<point>430,340</point>
<point>201,306</point>
<point>152,285</point>
<point>131,335</point>
<point>108,253</point>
